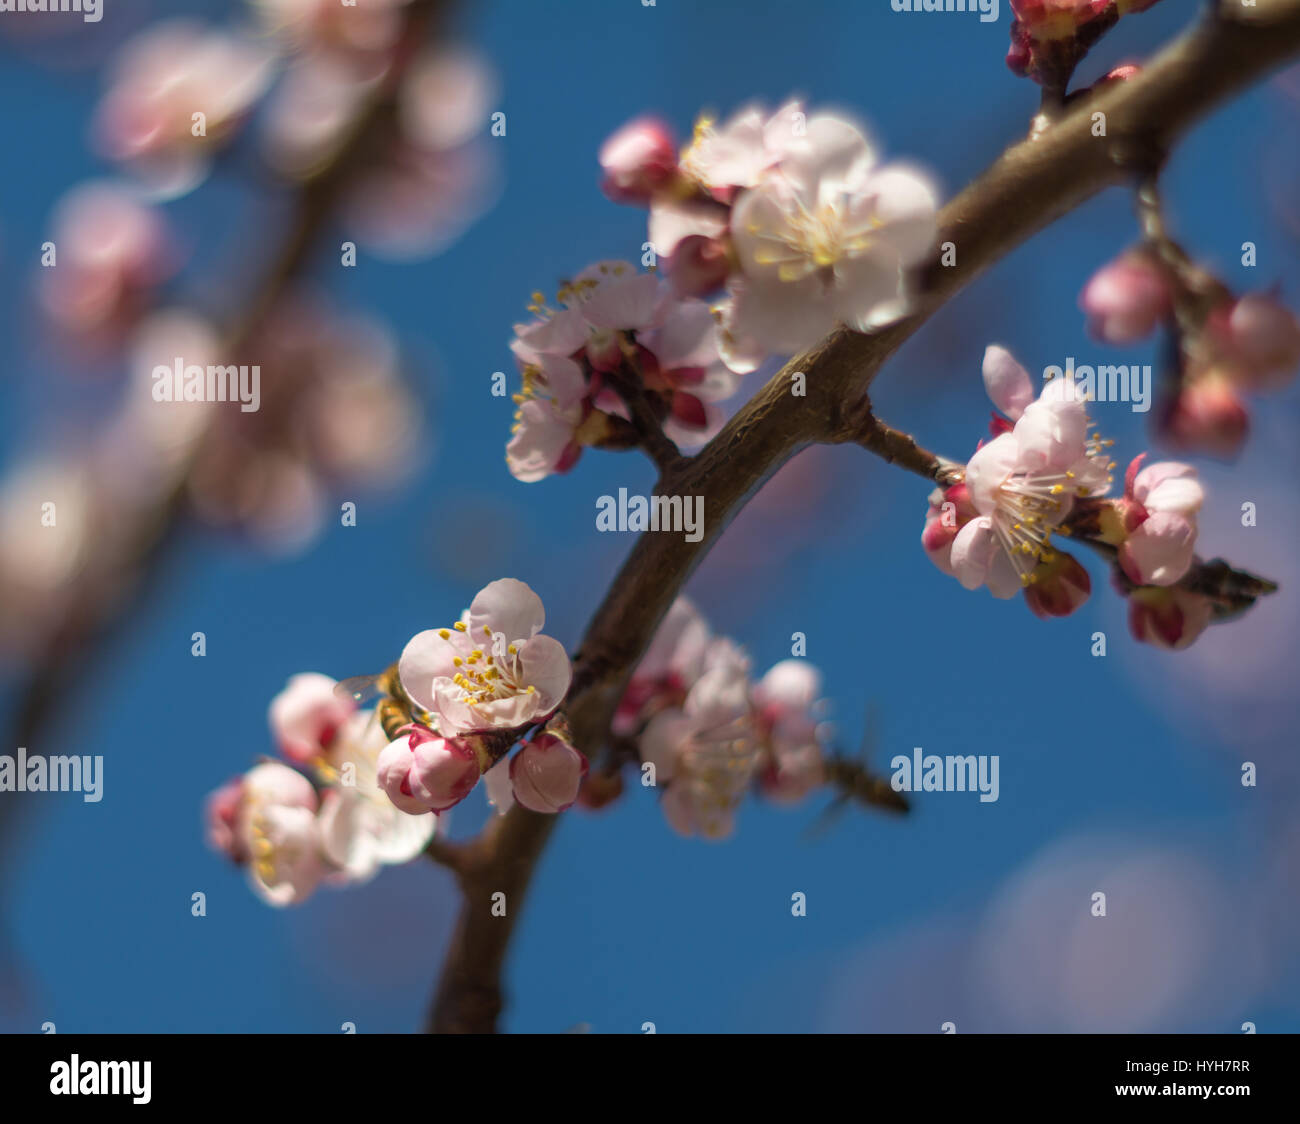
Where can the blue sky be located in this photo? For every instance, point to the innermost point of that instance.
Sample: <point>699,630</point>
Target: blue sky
<point>1125,763</point>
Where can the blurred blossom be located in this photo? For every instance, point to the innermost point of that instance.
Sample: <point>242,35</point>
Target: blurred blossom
<point>112,250</point>
<point>364,28</point>
<point>434,176</point>
<point>334,413</point>
<point>309,113</point>
<point>164,77</point>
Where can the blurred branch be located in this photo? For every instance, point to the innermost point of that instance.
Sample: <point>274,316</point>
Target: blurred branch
<point>1027,188</point>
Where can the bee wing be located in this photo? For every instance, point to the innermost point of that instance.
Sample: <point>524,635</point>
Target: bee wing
<point>823,823</point>
<point>870,732</point>
<point>359,688</point>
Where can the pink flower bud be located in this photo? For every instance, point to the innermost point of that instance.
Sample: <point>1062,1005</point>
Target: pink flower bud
<point>1160,549</point>
<point>393,771</point>
<point>1125,300</point>
<point>638,159</point>
<point>547,774</point>
<point>1168,618</point>
<point>443,771</point>
<point>1059,585</point>
<point>306,716</point>
<point>1265,340</point>
<point>1206,416</point>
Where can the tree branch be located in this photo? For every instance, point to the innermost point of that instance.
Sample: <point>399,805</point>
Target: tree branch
<point>1030,186</point>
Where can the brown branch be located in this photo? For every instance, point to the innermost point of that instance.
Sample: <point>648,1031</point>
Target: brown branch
<point>1030,186</point>
<point>894,446</point>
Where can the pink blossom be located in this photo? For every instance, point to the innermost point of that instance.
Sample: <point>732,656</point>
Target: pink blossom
<point>360,828</point>
<point>1126,300</point>
<point>307,715</point>
<point>547,773</point>
<point>723,159</point>
<point>163,77</point>
<point>706,751</point>
<point>786,701</point>
<point>671,665</point>
<point>681,361</point>
<point>113,249</point>
<point>689,237</point>
<point>1023,484</point>
<point>1007,382</point>
<point>268,822</point>
<point>612,319</point>
<point>493,670</point>
<point>826,237</point>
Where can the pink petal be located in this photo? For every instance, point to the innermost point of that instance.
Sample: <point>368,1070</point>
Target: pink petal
<point>1007,382</point>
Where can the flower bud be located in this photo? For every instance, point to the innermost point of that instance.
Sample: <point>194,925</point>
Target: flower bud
<point>444,770</point>
<point>637,159</point>
<point>1265,340</point>
<point>306,716</point>
<point>1058,586</point>
<point>1168,618</point>
<point>547,773</point>
<point>1206,416</point>
<point>423,772</point>
<point>1125,300</point>
<point>1159,550</point>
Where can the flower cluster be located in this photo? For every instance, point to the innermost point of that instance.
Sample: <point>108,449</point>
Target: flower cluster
<point>291,834</point>
<point>475,688</point>
<point>335,414</point>
<point>1043,466</point>
<point>1236,345</point>
<point>615,333</point>
<point>792,214</point>
<point>182,90</point>
<point>711,733</point>
<point>472,691</point>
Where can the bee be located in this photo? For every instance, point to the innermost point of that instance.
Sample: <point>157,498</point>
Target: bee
<point>854,781</point>
<point>394,709</point>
